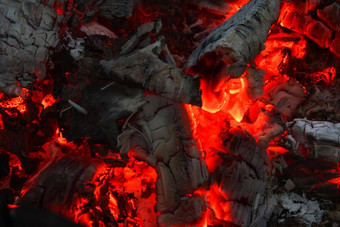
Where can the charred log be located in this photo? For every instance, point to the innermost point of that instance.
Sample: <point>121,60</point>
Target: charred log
<point>316,148</point>
<point>236,42</point>
<point>160,134</point>
<point>243,177</point>
<point>28,31</point>
<point>144,68</point>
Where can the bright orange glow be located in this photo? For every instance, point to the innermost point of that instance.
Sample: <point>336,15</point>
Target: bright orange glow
<point>11,103</point>
<point>48,101</point>
<point>58,7</point>
<point>128,190</point>
<point>15,161</point>
<point>12,206</point>
<point>2,126</point>
<point>327,76</point>
<point>113,205</point>
<point>219,203</point>
<point>335,181</point>
<point>277,149</point>
<point>22,108</point>
<point>79,216</point>
<point>232,99</point>
<point>60,139</point>
<point>227,106</point>
<point>274,57</point>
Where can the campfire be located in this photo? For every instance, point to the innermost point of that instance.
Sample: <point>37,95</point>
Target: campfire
<point>169,113</point>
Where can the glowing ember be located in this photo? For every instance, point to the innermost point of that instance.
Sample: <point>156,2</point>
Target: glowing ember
<point>58,7</point>
<point>327,76</point>
<point>232,98</point>
<point>335,181</point>
<point>1,123</point>
<point>48,101</point>
<point>11,103</point>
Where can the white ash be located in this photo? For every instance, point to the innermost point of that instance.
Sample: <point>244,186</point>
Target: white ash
<point>321,137</point>
<point>303,210</point>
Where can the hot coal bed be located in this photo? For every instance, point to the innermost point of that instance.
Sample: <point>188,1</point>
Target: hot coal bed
<point>169,113</point>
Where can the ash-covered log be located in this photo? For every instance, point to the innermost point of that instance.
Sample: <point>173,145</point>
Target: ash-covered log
<point>145,68</point>
<point>315,157</point>
<point>236,42</point>
<point>160,134</point>
<point>29,30</point>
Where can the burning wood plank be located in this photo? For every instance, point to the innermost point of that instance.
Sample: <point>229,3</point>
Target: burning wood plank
<point>236,42</point>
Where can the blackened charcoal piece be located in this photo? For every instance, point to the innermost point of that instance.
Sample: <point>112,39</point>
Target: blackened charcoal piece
<point>32,217</point>
<point>236,42</point>
<point>144,68</point>
<point>4,165</point>
<point>105,106</point>
<point>6,196</point>
<point>55,186</point>
<point>118,8</point>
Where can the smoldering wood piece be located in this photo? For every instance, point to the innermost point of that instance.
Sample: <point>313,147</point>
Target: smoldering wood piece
<point>286,97</point>
<point>323,29</point>
<point>330,15</point>
<point>144,68</point>
<point>321,137</point>
<point>160,134</point>
<point>315,157</point>
<point>268,134</point>
<point>236,41</point>
<point>29,29</point>
<point>312,175</point>
<point>56,185</point>
<point>304,7</point>
<point>188,210</point>
<point>255,82</point>
<point>243,177</point>
<point>321,104</point>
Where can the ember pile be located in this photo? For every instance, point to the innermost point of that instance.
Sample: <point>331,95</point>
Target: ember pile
<point>169,113</point>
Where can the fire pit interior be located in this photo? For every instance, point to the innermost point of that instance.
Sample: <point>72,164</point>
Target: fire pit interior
<point>169,113</point>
